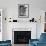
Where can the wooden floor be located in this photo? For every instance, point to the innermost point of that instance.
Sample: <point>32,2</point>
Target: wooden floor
<point>20,45</point>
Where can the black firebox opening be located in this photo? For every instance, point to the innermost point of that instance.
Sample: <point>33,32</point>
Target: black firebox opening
<point>22,37</point>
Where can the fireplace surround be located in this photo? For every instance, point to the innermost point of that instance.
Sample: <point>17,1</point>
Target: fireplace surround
<point>21,35</point>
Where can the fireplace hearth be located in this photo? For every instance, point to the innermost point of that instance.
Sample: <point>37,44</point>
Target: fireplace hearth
<point>22,37</point>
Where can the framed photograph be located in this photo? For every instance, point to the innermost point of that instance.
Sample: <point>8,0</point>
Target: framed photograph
<point>23,10</point>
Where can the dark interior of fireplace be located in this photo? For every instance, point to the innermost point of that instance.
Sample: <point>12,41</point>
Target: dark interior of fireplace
<point>22,37</point>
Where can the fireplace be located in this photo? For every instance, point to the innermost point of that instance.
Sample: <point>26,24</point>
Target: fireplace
<point>22,37</point>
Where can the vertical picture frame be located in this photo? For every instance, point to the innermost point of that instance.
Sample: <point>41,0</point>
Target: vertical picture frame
<point>23,10</point>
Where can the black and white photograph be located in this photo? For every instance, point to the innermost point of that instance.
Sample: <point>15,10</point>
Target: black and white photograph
<point>23,10</point>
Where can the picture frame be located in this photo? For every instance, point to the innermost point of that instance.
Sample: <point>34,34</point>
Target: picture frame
<point>23,10</point>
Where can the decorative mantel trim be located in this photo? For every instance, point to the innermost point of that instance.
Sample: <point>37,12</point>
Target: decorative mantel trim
<point>21,29</point>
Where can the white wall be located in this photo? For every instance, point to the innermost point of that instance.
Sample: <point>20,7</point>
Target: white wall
<point>35,3</point>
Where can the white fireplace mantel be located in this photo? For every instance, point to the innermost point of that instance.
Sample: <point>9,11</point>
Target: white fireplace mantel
<point>21,29</point>
<point>14,26</point>
<point>25,27</point>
